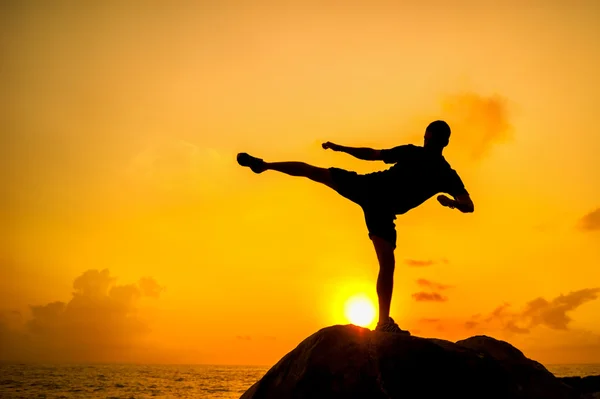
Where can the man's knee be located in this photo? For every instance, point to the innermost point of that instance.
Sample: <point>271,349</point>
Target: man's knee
<point>382,229</point>
<point>385,253</point>
<point>385,242</point>
<point>325,177</point>
<point>382,232</point>
<point>387,269</point>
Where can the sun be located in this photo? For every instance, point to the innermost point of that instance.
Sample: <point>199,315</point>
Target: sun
<point>359,310</point>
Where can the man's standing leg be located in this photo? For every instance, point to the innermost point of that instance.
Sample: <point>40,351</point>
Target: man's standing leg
<point>383,234</point>
<point>385,278</point>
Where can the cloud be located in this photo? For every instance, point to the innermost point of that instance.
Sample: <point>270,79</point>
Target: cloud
<point>429,297</point>
<point>424,296</point>
<point>14,344</point>
<point>10,317</point>
<point>101,322</point>
<point>553,314</point>
<point>499,312</point>
<point>590,221</point>
<point>539,312</point>
<point>542,328</point>
<point>512,327</point>
<point>428,320</point>
<point>93,283</point>
<point>418,263</point>
<point>424,263</point>
<point>477,122</point>
<point>433,285</point>
<point>150,287</point>
<point>471,324</point>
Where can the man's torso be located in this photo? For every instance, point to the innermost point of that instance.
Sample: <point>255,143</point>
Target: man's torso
<point>417,175</point>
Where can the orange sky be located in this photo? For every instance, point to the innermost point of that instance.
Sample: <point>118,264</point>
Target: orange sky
<point>129,233</point>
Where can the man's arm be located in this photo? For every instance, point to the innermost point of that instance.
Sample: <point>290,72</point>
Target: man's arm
<point>366,154</point>
<point>455,187</point>
<point>461,202</point>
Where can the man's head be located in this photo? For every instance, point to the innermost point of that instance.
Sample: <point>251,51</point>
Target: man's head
<point>437,135</point>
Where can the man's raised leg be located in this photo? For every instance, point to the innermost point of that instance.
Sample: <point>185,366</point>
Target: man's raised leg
<point>314,173</point>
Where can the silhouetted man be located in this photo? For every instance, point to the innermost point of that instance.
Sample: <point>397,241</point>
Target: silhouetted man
<point>418,174</point>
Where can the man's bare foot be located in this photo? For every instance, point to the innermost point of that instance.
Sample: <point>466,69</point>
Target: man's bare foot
<point>256,165</point>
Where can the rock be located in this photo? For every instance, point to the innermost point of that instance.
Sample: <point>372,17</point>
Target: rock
<point>524,372</point>
<point>354,362</point>
<point>587,387</point>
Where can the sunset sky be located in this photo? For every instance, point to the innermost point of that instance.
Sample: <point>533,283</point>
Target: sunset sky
<point>128,233</point>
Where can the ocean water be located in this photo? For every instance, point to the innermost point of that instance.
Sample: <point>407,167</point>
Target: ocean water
<point>126,381</point>
<point>154,381</point>
<point>573,370</point>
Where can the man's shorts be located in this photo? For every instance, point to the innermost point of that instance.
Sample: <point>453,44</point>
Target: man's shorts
<point>379,220</point>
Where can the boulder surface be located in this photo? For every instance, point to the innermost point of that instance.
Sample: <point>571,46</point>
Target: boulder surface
<point>346,361</point>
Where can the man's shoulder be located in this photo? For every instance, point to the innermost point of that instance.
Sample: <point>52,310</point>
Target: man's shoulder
<point>394,154</point>
<point>450,174</point>
<point>446,164</point>
<point>412,147</point>
<point>402,147</point>
<point>407,149</point>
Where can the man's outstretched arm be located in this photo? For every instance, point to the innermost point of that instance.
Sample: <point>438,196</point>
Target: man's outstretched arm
<point>366,154</point>
<point>462,202</point>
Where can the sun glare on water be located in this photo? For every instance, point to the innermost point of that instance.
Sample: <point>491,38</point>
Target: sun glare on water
<point>359,310</point>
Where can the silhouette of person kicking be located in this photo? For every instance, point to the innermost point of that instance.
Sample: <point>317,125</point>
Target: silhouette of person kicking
<point>418,174</point>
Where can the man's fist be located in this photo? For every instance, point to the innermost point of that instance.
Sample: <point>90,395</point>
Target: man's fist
<point>329,145</point>
<point>445,201</point>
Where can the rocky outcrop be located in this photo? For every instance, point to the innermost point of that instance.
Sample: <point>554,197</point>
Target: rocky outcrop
<point>588,387</point>
<point>353,362</point>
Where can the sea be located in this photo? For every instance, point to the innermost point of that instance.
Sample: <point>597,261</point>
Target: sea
<point>95,381</point>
